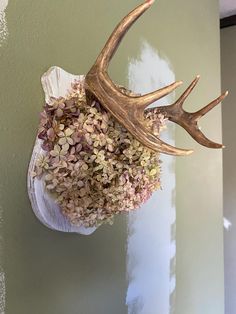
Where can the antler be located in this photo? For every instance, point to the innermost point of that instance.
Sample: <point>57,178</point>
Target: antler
<point>189,120</point>
<point>129,110</point>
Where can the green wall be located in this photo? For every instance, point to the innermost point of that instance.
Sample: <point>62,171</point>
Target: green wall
<point>53,273</point>
<point>228,67</point>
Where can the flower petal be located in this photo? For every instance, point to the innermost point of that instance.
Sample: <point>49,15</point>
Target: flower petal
<point>65,149</point>
<point>62,141</point>
<point>69,132</point>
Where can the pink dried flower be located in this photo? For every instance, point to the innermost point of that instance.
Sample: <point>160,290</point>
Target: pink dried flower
<point>59,153</point>
<point>94,165</point>
<point>65,137</point>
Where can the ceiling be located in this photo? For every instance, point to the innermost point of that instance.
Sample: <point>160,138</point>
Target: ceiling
<point>227,8</point>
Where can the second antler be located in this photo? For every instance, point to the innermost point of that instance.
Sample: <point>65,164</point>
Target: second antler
<point>129,110</point>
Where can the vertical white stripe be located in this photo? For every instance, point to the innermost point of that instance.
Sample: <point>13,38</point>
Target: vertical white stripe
<point>151,236</point>
<point>3,36</point>
<point>2,292</point>
<point>3,22</point>
<point>2,274</point>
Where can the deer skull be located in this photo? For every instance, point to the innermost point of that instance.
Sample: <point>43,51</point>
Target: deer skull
<point>97,149</point>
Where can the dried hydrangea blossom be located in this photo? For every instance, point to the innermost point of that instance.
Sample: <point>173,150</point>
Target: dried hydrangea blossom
<point>91,164</point>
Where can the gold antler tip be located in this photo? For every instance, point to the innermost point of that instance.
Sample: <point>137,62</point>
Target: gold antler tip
<point>150,2</point>
<point>198,76</point>
<point>189,152</point>
<point>226,93</point>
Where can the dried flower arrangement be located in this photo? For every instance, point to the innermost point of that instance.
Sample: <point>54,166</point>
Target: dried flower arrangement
<point>92,166</point>
<point>98,147</point>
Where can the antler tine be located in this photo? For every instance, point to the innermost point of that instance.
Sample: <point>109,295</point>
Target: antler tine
<point>117,35</point>
<point>188,120</point>
<point>112,45</point>
<point>146,100</point>
<point>187,92</point>
<point>200,113</point>
<point>128,110</point>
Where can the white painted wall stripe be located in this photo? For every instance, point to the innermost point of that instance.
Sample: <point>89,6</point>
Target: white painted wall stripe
<point>3,22</point>
<point>3,36</point>
<point>151,232</point>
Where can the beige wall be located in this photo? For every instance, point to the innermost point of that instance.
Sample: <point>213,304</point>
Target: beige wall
<point>228,61</point>
<point>53,273</point>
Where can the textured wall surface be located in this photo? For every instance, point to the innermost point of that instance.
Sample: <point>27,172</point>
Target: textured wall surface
<point>53,273</point>
<point>228,66</point>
